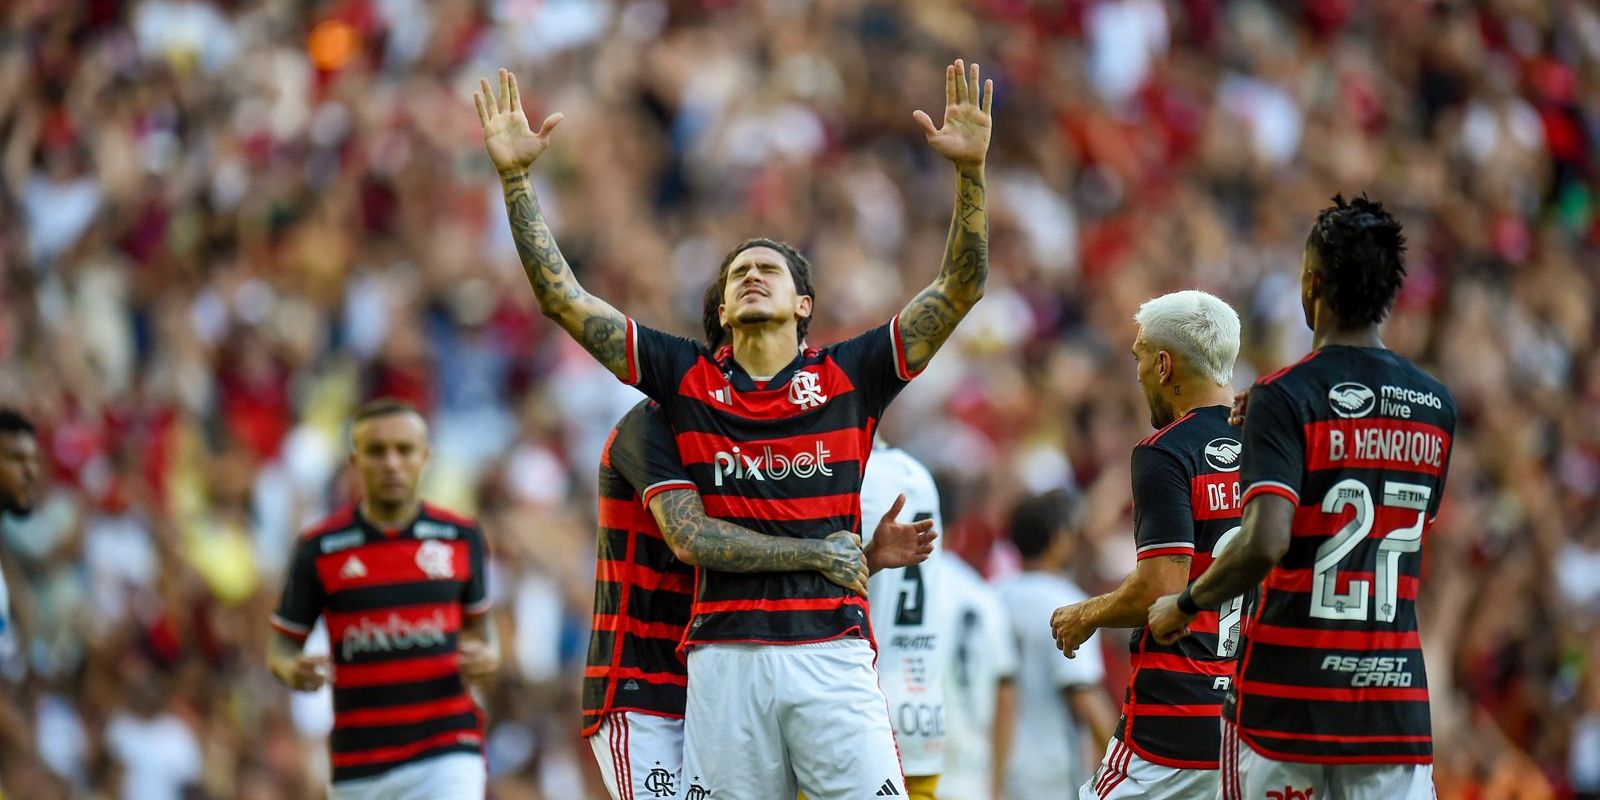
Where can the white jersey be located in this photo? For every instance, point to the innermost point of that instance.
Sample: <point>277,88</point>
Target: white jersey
<point>1047,745</point>
<point>981,653</point>
<point>906,604</point>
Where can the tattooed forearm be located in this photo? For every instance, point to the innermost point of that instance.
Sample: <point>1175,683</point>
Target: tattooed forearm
<point>601,329</point>
<point>715,544</point>
<point>929,319</point>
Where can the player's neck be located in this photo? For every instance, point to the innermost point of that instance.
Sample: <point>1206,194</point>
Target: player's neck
<point>1359,336</point>
<point>1189,398</point>
<point>765,349</point>
<point>391,516</point>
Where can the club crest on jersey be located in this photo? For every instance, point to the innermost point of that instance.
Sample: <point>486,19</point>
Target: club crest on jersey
<point>1222,454</point>
<point>1351,400</point>
<point>436,560</point>
<point>805,390</point>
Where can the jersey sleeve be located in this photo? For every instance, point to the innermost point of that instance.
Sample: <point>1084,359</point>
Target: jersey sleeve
<point>658,361</point>
<point>1274,448</point>
<point>1163,522</point>
<point>876,364</point>
<point>475,595</point>
<point>645,454</point>
<point>301,602</point>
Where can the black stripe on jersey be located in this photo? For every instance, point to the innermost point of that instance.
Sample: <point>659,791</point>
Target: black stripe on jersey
<point>391,596</point>
<point>770,586</point>
<point>1300,666</point>
<point>846,479</point>
<point>341,774</point>
<point>355,740</point>
<point>646,605</point>
<point>396,694</point>
<point>783,627</point>
<point>1316,725</point>
<point>847,413</point>
<point>818,528</point>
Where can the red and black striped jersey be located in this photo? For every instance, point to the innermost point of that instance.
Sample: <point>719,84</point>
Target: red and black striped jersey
<point>1331,667</point>
<point>393,601</point>
<point>642,592</point>
<point>1185,503</point>
<point>783,456</point>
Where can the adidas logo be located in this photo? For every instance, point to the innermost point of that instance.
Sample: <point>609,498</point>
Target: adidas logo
<point>723,396</point>
<point>631,686</point>
<point>887,790</point>
<point>353,568</point>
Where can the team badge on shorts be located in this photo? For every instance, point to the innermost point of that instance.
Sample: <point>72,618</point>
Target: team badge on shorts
<point>436,560</point>
<point>697,792</point>
<point>659,782</point>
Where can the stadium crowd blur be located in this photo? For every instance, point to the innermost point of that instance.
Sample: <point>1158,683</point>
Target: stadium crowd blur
<point>225,223</point>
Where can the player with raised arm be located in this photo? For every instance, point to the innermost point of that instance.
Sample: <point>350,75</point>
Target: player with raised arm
<point>1185,510</point>
<point>653,532</point>
<point>775,438</point>
<point>401,585</point>
<point>1345,455</point>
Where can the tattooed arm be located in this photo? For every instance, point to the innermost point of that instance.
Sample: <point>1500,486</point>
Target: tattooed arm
<point>513,147</point>
<point>929,319</point>
<point>714,544</point>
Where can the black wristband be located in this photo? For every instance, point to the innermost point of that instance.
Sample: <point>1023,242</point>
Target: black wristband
<point>1186,602</point>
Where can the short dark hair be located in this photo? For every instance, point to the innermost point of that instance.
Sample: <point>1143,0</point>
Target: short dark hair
<point>382,407</point>
<point>799,269</point>
<point>1036,520</point>
<point>12,423</point>
<point>710,319</point>
<point>1359,252</point>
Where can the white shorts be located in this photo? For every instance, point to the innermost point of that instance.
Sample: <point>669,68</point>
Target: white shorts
<point>1123,775</point>
<point>1248,774</point>
<point>452,776</point>
<point>766,720</point>
<point>640,755</point>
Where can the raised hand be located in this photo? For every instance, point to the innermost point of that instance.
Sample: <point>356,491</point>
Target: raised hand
<point>844,562</point>
<point>513,146</point>
<point>899,544</point>
<point>964,137</point>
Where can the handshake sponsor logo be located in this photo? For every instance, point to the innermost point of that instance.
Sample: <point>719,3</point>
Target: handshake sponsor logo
<point>767,465</point>
<point>393,633</point>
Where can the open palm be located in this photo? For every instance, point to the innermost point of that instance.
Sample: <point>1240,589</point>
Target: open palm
<point>512,144</point>
<point>964,137</point>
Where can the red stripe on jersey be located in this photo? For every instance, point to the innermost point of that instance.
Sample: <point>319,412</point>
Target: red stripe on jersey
<point>1336,695</point>
<point>704,383</point>
<point>640,576</point>
<point>405,670</point>
<point>777,509</point>
<point>1376,443</point>
<point>360,758</point>
<point>630,338</point>
<point>794,604</point>
<point>1162,710</point>
<point>627,515</point>
<point>1285,371</point>
<point>1299,580</point>
<point>1256,490</point>
<point>1175,550</point>
<point>1313,521</point>
<point>1319,639</point>
<point>1173,662</point>
<point>787,453</point>
<point>387,561</point>
<point>398,621</point>
<point>655,489</point>
<point>338,520</point>
<point>902,369</point>
<point>605,451</point>
<point>1206,622</point>
<point>445,515</point>
<point>1156,437</point>
<point>624,673</point>
<point>284,627</point>
<point>405,715</point>
<point>1215,496</point>
<point>633,627</point>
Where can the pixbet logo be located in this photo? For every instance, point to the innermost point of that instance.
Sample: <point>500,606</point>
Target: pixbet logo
<point>1291,793</point>
<point>766,465</point>
<point>393,633</point>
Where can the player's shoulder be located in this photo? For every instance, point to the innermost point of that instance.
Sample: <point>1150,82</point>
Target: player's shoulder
<point>442,523</point>
<point>1200,441</point>
<point>342,520</point>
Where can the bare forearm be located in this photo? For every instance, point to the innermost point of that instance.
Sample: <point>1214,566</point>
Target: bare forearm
<point>601,329</point>
<point>716,544</point>
<point>1005,715</point>
<point>1124,607</point>
<point>929,319</point>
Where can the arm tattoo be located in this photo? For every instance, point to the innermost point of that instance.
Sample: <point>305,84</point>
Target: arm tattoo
<point>715,544</point>
<point>601,329</point>
<point>929,319</point>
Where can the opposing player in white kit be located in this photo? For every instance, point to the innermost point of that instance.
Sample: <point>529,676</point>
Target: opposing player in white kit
<point>1056,697</point>
<point>980,683</point>
<point>906,607</point>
